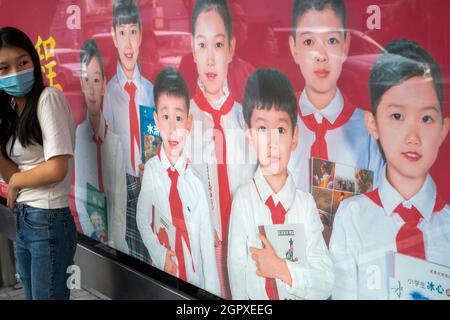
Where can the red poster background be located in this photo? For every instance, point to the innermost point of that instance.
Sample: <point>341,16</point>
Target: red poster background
<point>262,31</point>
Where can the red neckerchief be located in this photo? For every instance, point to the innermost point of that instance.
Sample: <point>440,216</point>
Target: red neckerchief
<point>409,239</point>
<point>319,148</point>
<point>221,155</point>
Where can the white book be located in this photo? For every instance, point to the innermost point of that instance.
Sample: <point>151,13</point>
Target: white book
<point>416,279</point>
<point>289,243</point>
<point>214,198</point>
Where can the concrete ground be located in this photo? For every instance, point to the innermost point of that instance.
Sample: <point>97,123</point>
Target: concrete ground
<point>12,293</point>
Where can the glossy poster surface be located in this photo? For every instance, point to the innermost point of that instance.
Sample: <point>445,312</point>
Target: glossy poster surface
<point>131,42</point>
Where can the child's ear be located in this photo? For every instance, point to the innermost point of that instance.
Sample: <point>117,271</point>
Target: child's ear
<point>232,49</point>
<point>113,35</point>
<point>371,124</point>
<point>249,137</point>
<point>81,81</point>
<point>445,129</point>
<point>155,116</point>
<point>347,41</point>
<point>102,93</point>
<point>189,123</point>
<point>295,138</point>
<point>141,32</point>
<point>293,48</point>
<point>192,48</point>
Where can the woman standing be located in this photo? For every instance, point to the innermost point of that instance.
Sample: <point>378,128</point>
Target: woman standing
<point>36,144</point>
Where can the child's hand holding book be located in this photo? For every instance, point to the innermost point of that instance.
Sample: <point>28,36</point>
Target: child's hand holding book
<point>170,266</point>
<point>268,264</point>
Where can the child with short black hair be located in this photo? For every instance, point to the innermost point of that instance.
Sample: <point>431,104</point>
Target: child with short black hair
<point>270,112</point>
<point>170,187</point>
<point>405,214</point>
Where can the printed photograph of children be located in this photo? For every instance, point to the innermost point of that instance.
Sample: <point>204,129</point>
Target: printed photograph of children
<point>364,181</point>
<point>322,173</point>
<point>344,179</point>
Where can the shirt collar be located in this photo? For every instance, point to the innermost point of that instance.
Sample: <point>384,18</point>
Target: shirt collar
<point>180,166</point>
<point>286,195</point>
<point>331,112</point>
<point>217,104</point>
<point>424,200</point>
<point>101,128</point>
<point>122,78</point>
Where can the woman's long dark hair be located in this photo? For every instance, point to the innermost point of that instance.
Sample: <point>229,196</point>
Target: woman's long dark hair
<point>25,127</point>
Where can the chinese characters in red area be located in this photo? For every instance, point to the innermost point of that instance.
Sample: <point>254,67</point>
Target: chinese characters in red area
<point>46,51</point>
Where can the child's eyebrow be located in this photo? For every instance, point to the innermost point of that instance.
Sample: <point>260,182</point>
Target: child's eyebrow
<point>127,24</point>
<point>399,106</point>
<point>177,108</point>
<point>200,36</point>
<point>283,120</point>
<point>431,108</point>
<point>303,33</point>
<point>260,119</point>
<point>181,109</point>
<point>307,31</point>
<point>219,35</point>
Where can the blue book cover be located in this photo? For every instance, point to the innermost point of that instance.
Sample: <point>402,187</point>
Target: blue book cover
<point>150,136</point>
<point>97,210</point>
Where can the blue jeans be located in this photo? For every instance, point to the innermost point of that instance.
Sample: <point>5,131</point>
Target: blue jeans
<point>45,247</point>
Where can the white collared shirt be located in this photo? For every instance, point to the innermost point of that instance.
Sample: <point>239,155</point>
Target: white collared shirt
<point>200,149</point>
<point>116,111</point>
<point>155,192</point>
<point>350,144</point>
<point>331,112</point>
<point>114,181</point>
<point>311,279</point>
<point>364,232</point>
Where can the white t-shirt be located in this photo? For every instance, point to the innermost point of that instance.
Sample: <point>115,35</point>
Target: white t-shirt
<point>58,137</point>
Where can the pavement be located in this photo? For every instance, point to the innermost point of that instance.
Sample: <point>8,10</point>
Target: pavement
<point>14,293</point>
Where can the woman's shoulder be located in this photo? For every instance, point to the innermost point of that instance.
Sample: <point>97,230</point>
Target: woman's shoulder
<point>51,91</point>
<point>52,98</point>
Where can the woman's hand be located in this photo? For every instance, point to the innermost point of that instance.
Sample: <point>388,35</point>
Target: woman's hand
<point>13,192</point>
<point>7,168</point>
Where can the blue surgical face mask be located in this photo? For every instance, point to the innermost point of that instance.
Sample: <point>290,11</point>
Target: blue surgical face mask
<point>18,84</point>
